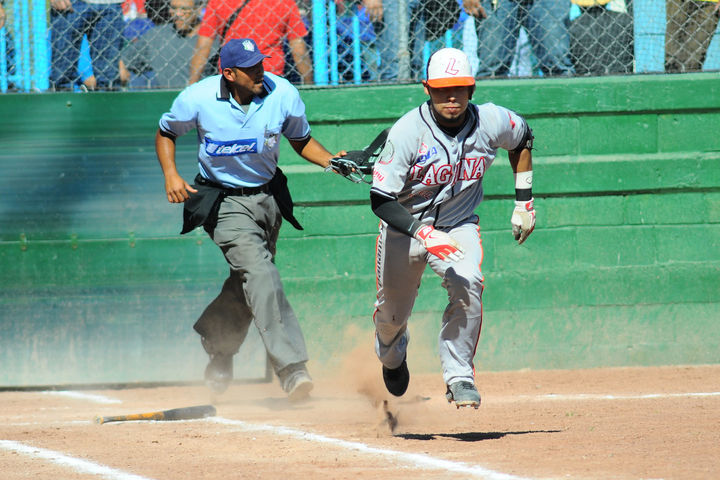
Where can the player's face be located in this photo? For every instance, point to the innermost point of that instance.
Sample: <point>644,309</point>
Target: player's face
<point>449,103</point>
<point>247,81</point>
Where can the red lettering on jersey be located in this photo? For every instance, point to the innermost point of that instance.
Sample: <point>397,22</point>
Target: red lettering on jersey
<point>428,176</point>
<point>426,194</point>
<point>472,169</point>
<point>444,174</point>
<point>468,166</point>
<point>512,124</point>
<point>378,176</point>
<point>478,168</point>
<point>385,161</point>
<point>416,173</point>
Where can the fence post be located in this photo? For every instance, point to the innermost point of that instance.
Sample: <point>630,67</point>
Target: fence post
<point>712,61</point>
<point>41,70</point>
<point>17,78</point>
<point>27,65</point>
<point>403,47</point>
<point>3,62</point>
<point>357,50</point>
<point>332,32</point>
<point>470,43</point>
<point>649,31</point>
<point>320,67</point>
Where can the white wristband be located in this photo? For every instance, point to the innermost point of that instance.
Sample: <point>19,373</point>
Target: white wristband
<point>523,180</point>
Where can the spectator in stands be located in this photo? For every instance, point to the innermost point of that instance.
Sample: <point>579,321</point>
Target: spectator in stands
<point>691,25</point>
<point>386,18</point>
<point>265,21</point>
<point>402,58</point>
<point>102,22</point>
<point>346,13</point>
<point>601,38</point>
<point>346,36</point>
<point>158,57</point>
<point>546,22</point>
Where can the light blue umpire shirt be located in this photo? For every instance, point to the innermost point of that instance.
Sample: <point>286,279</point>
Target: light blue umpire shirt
<point>238,149</point>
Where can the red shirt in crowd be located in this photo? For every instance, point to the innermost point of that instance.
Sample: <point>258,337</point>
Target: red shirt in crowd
<point>267,22</point>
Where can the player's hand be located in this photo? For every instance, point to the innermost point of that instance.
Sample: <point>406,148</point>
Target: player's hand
<point>439,244</point>
<point>177,189</point>
<point>523,220</point>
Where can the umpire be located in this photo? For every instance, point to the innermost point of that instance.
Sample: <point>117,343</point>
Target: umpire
<point>240,197</point>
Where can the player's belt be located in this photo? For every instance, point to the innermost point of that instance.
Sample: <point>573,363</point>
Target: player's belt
<point>233,192</point>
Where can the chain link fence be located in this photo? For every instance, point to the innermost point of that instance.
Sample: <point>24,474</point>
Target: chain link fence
<point>50,45</point>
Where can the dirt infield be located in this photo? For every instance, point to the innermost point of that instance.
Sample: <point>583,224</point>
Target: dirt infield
<point>627,423</point>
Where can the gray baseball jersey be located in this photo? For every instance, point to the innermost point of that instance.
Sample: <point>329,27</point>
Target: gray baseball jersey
<point>438,179</point>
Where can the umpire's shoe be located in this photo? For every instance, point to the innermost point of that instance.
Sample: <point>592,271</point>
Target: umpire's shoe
<point>396,379</point>
<point>219,372</point>
<point>464,394</point>
<point>296,382</point>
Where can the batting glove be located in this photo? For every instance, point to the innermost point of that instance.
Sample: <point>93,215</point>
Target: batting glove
<point>523,220</point>
<point>439,244</point>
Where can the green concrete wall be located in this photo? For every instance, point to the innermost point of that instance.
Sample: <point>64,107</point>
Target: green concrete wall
<point>97,286</point>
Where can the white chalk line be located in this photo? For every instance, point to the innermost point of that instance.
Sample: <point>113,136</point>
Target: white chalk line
<point>76,464</point>
<point>82,396</point>
<point>426,461</point>
<point>50,424</point>
<point>415,460</point>
<point>411,459</point>
<point>592,396</point>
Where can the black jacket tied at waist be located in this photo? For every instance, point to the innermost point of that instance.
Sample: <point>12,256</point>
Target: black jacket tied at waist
<point>202,207</point>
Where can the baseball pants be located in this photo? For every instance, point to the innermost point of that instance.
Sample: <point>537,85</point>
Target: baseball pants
<point>246,232</point>
<point>400,263</point>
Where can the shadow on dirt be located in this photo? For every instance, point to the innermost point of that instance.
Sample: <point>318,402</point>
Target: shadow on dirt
<point>468,436</point>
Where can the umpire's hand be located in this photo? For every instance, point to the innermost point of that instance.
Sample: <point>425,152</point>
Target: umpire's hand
<point>177,189</point>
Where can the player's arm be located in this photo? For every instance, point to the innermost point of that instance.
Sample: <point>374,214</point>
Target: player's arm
<point>176,188</point>
<point>313,151</point>
<point>391,212</point>
<point>523,216</point>
<point>436,242</point>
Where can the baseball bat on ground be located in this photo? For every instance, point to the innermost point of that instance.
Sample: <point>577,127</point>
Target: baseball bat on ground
<point>185,413</point>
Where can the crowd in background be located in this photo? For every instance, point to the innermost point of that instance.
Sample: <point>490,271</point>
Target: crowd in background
<point>139,44</point>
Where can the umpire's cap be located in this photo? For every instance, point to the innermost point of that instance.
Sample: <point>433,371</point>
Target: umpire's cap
<point>449,67</point>
<point>240,52</point>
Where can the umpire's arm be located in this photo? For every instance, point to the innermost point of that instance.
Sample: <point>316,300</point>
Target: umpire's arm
<point>176,188</point>
<point>313,151</point>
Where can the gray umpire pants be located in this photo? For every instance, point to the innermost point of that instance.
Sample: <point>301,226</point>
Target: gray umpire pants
<point>246,232</point>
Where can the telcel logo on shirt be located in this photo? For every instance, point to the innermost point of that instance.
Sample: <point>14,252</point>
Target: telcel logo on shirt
<point>228,149</point>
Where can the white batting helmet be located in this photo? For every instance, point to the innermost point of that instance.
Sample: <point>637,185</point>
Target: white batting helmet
<point>449,67</point>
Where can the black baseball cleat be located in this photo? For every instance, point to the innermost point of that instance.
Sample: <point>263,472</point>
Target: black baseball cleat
<point>396,379</point>
<point>219,372</point>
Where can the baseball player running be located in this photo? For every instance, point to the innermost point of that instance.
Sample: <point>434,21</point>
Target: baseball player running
<point>427,183</point>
